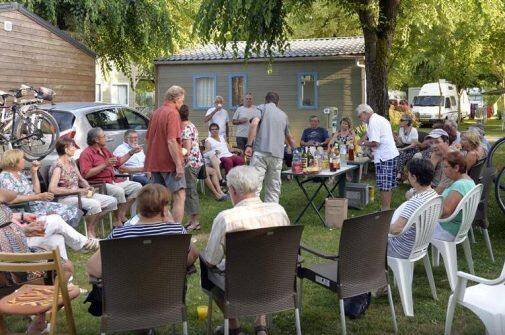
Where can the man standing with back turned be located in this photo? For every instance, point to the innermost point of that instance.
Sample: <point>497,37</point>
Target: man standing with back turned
<point>269,132</point>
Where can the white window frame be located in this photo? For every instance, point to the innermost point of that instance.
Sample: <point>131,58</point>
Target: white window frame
<point>98,89</point>
<point>114,86</point>
<point>201,76</point>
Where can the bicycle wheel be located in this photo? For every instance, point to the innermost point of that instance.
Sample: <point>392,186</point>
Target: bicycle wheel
<point>36,134</point>
<point>497,161</point>
<point>499,189</point>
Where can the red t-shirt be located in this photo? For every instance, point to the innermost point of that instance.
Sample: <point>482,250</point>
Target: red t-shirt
<point>165,124</point>
<point>91,157</point>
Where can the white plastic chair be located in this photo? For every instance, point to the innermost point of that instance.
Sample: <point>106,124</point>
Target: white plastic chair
<point>467,206</point>
<point>484,299</point>
<point>424,219</point>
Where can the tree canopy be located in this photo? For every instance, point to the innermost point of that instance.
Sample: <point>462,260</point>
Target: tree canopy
<point>264,26</point>
<point>122,32</point>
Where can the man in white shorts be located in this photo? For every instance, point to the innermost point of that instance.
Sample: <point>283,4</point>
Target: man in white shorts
<point>97,164</point>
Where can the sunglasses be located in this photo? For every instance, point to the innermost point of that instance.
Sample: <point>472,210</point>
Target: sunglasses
<point>403,120</point>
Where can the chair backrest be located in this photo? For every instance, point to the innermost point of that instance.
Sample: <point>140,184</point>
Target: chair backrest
<point>261,270</point>
<point>45,177</point>
<point>143,281</point>
<point>468,207</point>
<point>421,136</point>
<point>43,261</point>
<point>425,218</point>
<point>476,169</point>
<point>481,216</point>
<point>31,262</point>
<point>362,254</point>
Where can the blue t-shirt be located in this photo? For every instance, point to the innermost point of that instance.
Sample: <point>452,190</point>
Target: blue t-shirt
<point>318,135</point>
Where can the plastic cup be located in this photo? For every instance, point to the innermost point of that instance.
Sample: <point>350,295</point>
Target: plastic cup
<point>202,311</point>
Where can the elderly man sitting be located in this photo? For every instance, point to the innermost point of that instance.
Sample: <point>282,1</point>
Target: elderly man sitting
<point>249,212</point>
<point>97,164</point>
<point>135,164</point>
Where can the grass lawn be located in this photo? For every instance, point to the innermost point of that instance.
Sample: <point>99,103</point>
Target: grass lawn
<point>320,307</point>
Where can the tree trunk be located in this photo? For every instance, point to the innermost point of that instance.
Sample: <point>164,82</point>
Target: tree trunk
<point>376,62</point>
<point>378,33</point>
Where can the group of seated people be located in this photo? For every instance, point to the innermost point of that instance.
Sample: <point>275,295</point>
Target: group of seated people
<point>420,174</point>
<point>471,143</point>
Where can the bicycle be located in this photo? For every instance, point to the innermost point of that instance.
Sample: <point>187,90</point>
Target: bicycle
<point>24,126</point>
<point>497,160</point>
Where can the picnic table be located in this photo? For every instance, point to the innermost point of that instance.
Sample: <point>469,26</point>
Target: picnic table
<point>322,178</point>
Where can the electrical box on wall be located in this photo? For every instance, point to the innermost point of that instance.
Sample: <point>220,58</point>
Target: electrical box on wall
<point>7,25</point>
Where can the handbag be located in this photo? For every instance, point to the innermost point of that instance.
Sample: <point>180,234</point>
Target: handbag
<point>355,307</point>
<point>202,174</point>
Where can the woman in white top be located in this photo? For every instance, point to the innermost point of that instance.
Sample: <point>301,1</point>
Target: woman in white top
<point>407,142</point>
<point>216,144</point>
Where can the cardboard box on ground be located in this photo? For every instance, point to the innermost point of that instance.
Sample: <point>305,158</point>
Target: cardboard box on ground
<point>335,212</point>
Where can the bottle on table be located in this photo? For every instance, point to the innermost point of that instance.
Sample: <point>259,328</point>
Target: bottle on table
<point>296,164</point>
<point>305,159</point>
<point>343,154</point>
<point>334,160</point>
<point>351,151</point>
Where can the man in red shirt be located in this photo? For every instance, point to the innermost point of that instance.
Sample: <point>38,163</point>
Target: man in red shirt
<point>164,150</point>
<point>97,163</point>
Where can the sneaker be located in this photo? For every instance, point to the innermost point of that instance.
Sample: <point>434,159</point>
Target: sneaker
<point>92,244</point>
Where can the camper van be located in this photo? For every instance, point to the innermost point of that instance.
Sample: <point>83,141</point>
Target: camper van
<point>439,101</point>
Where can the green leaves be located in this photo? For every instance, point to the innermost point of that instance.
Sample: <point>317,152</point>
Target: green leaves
<point>122,32</point>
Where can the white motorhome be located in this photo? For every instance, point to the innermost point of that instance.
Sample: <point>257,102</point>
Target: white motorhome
<point>439,101</point>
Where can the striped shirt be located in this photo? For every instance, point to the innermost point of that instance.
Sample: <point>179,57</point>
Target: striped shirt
<point>168,228</point>
<point>402,245</point>
<point>248,214</point>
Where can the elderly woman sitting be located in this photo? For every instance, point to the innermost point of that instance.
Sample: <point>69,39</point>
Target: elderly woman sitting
<point>216,144</point>
<point>154,219</point>
<point>407,140</point>
<point>40,203</point>
<point>420,174</point>
<point>47,231</point>
<point>455,169</point>
<point>472,146</point>
<point>66,179</point>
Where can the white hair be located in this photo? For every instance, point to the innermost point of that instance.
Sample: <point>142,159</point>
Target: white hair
<point>364,108</point>
<point>244,179</point>
<point>174,92</point>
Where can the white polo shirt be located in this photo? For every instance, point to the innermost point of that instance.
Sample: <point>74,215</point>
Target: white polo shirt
<point>221,118</point>
<point>379,130</point>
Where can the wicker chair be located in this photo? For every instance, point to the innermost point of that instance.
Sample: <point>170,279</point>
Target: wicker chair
<point>475,171</point>
<point>144,287</point>
<point>481,216</point>
<point>360,265</point>
<point>260,274</point>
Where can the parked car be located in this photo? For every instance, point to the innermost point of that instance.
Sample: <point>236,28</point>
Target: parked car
<point>75,119</point>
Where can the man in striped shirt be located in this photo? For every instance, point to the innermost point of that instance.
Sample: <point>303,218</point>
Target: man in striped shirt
<point>249,212</point>
<point>154,219</point>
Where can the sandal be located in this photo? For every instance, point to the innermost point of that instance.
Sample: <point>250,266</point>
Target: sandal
<point>235,331</point>
<point>190,227</point>
<point>258,329</point>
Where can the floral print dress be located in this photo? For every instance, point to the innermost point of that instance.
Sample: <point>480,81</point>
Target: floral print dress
<point>22,186</point>
<point>194,158</point>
